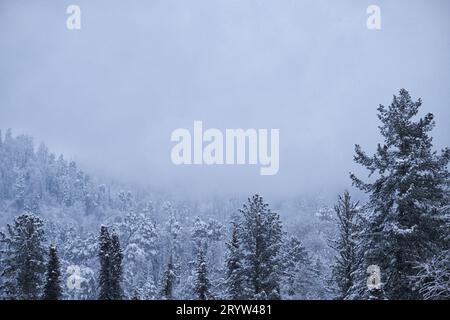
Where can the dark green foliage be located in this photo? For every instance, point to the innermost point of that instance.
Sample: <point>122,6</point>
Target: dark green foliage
<point>23,258</point>
<point>52,288</point>
<point>110,255</point>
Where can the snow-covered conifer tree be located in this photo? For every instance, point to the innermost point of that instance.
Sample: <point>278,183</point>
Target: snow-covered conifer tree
<point>348,258</point>
<point>202,284</point>
<point>261,236</point>
<point>23,258</point>
<point>405,226</point>
<point>297,271</point>
<point>116,256</point>
<point>52,288</point>
<point>235,280</point>
<point>105,265</point>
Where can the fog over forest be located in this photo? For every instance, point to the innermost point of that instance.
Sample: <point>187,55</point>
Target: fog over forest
<point>99,121</point>
<point>110,95</point>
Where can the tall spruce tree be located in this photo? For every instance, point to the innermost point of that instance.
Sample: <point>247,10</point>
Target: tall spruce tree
<point>116,268</point>
<point>261,235</point>
<point>168,281</point>
<point>105,265</point>
<point>111,256</point>
<point>52,288</point>
<point>235,279</point>
<point>348,258</point>
<point>202,284</point>
<point>23,258</point>
<point>405,225</point>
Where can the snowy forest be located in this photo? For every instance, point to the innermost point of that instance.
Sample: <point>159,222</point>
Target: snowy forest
<point>67,234</point>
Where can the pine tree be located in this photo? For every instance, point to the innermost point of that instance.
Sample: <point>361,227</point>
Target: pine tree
<point>116,268</point>
<point>348,258</point>
<point>235,279</point>
<point>405,226</point>
<point>297,271</point>
<point>168,281</point>
<point>202,284</point>
<point>111,270</point>
<point>261,236</point>
<point>52,288</point>
<point>105,265</point>
<point>23,261</point>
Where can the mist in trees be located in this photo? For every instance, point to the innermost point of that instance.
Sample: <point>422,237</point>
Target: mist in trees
<point>67,235</point>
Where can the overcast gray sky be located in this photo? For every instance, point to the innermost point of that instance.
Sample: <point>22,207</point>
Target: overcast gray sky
<point>110,94</point>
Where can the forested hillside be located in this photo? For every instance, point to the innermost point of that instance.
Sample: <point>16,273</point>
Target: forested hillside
<point>66,235</point>
<point>162,241</point>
